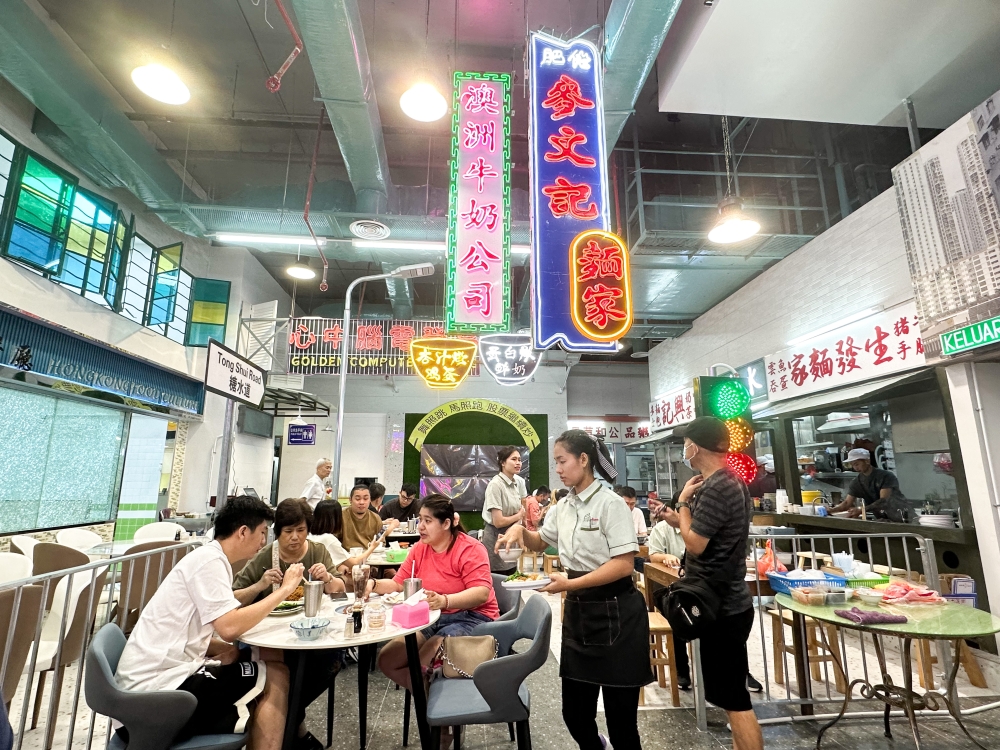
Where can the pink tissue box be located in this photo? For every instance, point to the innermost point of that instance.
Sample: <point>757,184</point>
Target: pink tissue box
<point>411,615</point>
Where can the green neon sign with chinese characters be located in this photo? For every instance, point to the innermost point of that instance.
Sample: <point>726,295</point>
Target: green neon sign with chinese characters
<point>973,336</point>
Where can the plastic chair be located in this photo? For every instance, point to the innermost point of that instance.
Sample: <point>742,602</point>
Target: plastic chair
<point>50,557</point>
<point>28,611</point>
<point>497,692</point>
<point>141,578</point>
<point>23,544</point>
<point>159,531</point>
<point>81,598</point>
<point>80,539</point>
<point>152,718</point>
<point>14,566</point>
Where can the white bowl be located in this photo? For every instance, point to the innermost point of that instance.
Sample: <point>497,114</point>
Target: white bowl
<point>510,555</point>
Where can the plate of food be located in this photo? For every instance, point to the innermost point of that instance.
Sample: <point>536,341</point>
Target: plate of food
<point>526,581</point>
<point>292,604</point>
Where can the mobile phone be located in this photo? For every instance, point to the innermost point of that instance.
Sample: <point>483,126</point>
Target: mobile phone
<point>338,597</point>
<point>380,533</point>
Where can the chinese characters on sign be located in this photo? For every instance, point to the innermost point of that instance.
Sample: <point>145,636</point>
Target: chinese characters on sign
<point>879,345</point>
<point>443,363</point>
<point>672,409</point>
<point>376,347</point>
<point>478,278</point>
<point>600,292</point>
<point>233,376</point>
<point>611,432</point>
<point>509,357</point>
<point>569,195</point>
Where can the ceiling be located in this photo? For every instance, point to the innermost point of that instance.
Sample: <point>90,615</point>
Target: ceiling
<point>245,153</point>
<point>842,61</point>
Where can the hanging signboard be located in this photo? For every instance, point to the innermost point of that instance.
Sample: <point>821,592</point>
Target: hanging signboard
<point>443,363</point>
<point>481,405</point>
<point>569,195</point>
<point>611,432</point>
<point>376,347</point>
<point>230,375</point>
<point>753,373</point>
<point>477,283</point>
<point>302,434</point>
<point>881,344</point>
<point>508,357</point>
<point>672,409</point>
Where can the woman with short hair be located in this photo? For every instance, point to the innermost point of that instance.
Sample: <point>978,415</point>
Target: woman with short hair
<point>502,508</point>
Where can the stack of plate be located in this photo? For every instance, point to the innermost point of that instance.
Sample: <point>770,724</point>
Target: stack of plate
<point>942,521</point>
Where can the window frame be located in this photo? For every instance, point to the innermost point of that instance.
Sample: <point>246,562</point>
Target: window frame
<point>110,208</point>
<point>154,274</point>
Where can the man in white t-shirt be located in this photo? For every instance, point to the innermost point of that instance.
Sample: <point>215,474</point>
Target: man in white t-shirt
<point>173,645</point>
<point>315,489</point>
<point>638,520</point>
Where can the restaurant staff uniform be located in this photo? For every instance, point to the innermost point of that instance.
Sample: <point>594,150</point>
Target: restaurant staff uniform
<point>314,491</point>
<point>605,629</point>
<point>168,649</point>
<point>505,495</point>
<point>869,488</point>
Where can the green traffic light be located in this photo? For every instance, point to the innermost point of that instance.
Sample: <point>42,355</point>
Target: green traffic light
<point>728,399</point>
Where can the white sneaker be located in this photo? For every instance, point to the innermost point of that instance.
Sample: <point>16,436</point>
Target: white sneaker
<point>605,742</point>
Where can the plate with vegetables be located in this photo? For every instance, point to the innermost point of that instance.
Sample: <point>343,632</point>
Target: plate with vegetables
<point>291,605</point>
<point>519,581</point>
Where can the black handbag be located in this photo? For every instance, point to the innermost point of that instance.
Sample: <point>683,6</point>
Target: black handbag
<point>690,605</point>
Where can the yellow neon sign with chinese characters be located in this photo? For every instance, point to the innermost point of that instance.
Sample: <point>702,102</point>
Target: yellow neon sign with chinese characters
<point>443,363</point>
<point>601,290</point>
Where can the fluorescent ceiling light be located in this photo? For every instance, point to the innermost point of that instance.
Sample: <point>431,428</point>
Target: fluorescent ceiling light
<point>161,83</point>
<point>266,239</point>
<point>419,245</point>
<point>423,102</point>
<point>300,271</point>
<point>834,326</point>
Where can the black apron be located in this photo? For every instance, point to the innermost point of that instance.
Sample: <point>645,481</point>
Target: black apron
<point>490,535</point>
<point>605,635</point>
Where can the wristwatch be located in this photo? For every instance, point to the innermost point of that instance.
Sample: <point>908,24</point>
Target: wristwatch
<point>683,505</point>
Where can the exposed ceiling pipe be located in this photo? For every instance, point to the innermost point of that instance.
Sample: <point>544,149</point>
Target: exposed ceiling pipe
<point>274,82</point>
<point>323,286</point>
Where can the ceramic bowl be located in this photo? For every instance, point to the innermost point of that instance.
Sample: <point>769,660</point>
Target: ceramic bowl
<point>310,628</point>
<point>510,555</point>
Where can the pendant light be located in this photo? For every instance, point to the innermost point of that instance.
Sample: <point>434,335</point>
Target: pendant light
<point>299,270</point>
<point>733,224</point>
<point>423,101</point>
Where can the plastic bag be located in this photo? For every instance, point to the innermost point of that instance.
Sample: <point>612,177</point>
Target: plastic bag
<point>769,562</point>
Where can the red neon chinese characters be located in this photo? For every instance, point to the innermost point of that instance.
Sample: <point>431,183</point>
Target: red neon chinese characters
<point>302,338</point>
<point>479,297</point>
<point>598,262</point>
<point>478,217</point>
<point>479,170</point>
<point>481,98</point>
<point>401,336</point>
<point>564,97</point>
<point>430,331</point>
<point>333,335</point>
<point>477,133</point>
<point>369,338</point>
<point>478,258</point>
<point>600,306</point>
<point>565,199</point>
<point>565,144</point>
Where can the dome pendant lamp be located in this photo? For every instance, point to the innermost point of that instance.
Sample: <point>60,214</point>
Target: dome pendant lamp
<point>733,225</point>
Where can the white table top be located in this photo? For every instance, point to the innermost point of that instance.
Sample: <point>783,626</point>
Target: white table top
<point>378,560</point>
<point>122,546</point>
<point>274,630</point>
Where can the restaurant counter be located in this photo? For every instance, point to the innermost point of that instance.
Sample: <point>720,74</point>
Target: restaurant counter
<point>833,524</point>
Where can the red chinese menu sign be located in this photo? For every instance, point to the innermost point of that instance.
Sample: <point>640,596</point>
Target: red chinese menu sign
<point>672,409</point>
<point>477,294</point>
<point>879,345</point>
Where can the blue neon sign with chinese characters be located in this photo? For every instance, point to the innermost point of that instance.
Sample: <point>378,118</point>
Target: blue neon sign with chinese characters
<point>569,180</point>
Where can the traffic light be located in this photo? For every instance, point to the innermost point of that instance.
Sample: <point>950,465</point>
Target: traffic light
<point>728,399</point>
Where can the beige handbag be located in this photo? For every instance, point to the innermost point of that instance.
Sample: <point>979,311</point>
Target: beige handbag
<point>461,654</point>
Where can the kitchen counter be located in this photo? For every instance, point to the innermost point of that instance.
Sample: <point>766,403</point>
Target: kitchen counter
<point>806,524</point>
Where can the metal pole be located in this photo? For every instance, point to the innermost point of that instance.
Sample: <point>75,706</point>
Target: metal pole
<point>225,457</point>
<point>335,480</point>
<point>911,125</point>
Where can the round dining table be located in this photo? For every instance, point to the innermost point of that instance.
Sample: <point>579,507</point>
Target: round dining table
<point>274,632</point>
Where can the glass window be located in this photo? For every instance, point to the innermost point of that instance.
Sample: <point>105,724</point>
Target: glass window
<point>176,329</point>
<point>86,260</point>
<point>42,203</point>
<point>164,289</point>
<point>7,149</point>
<point>137,276</point>
<point>40,438</point>
<point>118,252</point>
<point>209,309</point>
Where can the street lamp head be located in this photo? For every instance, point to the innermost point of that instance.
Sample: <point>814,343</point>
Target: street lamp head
<point>412,272</point>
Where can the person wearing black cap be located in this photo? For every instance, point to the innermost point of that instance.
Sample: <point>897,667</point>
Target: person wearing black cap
<point>713,515</point>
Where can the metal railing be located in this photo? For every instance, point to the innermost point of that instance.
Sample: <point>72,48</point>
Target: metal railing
<point>115,590</point>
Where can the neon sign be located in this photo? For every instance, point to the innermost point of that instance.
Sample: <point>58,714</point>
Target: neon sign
<point>477,295</point>
<point>508,357</point>
<point>569,204</point>
<point>443,363</point>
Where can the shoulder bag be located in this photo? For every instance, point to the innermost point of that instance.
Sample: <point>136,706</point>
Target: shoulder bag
<point>461,654</point>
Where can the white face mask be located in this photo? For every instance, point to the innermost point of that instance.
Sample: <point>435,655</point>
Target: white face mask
<point>686,460</point>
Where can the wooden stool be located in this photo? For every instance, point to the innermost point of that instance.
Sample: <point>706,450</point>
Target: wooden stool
<point>530,555</point>
<point>926,660</point>
<point>814,647</point>
<point>661,655</point>
<point>549,562</point>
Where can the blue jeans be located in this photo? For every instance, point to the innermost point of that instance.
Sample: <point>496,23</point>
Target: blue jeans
<point>462,622</point>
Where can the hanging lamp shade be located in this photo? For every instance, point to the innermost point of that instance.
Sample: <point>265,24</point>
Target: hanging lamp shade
<point>733,224</point>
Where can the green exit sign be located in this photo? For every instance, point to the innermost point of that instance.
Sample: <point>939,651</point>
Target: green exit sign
<point>972,336</point>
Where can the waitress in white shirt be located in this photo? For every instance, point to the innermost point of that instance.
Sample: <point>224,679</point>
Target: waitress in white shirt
<point>315,489</point>
<point>605,637</point>
<point>502,508</point>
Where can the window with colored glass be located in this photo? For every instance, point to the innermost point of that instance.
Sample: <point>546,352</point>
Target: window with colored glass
<point>176,329</point>
<point>138,272</point>
<point>40,211</point>
<point>7,149</point>
<point>163,292</point>
<point>209,309</point>
<point>86,259</point>
<point>118,252</point>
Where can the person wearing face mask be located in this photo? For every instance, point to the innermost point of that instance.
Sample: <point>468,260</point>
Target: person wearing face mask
<point>605,636</point>
<point>502,508</point>
<point>713,514</point>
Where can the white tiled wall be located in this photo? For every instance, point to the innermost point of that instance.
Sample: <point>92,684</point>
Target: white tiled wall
<point>858,263</point>
<point>147,437</point>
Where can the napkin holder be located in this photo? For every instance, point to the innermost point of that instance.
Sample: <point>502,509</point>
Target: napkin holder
<point>413,615</point>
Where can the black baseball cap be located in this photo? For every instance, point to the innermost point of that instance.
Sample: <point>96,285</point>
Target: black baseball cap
<point>709,433</point>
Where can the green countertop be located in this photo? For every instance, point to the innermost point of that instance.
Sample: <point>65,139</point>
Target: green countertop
<point>934,621</point>
<point>857,526</point>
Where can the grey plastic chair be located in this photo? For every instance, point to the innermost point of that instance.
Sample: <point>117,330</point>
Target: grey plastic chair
<point>153,718</point>
<point>497,693</point>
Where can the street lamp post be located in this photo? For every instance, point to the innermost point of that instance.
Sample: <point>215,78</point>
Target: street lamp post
<point>403,272</point>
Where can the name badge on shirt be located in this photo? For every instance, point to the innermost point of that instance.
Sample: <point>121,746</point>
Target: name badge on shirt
<point>590,523</point>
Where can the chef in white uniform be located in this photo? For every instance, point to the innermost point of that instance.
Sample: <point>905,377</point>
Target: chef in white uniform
<point>315,489</point>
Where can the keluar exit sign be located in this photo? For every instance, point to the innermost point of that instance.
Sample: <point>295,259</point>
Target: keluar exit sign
<point>972,336</point>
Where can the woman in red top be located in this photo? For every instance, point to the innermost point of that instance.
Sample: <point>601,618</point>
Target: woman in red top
<point>455,571</point>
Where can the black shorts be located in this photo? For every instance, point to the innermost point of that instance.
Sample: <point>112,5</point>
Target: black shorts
<point>724,663</point>
<point>225,696</point>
